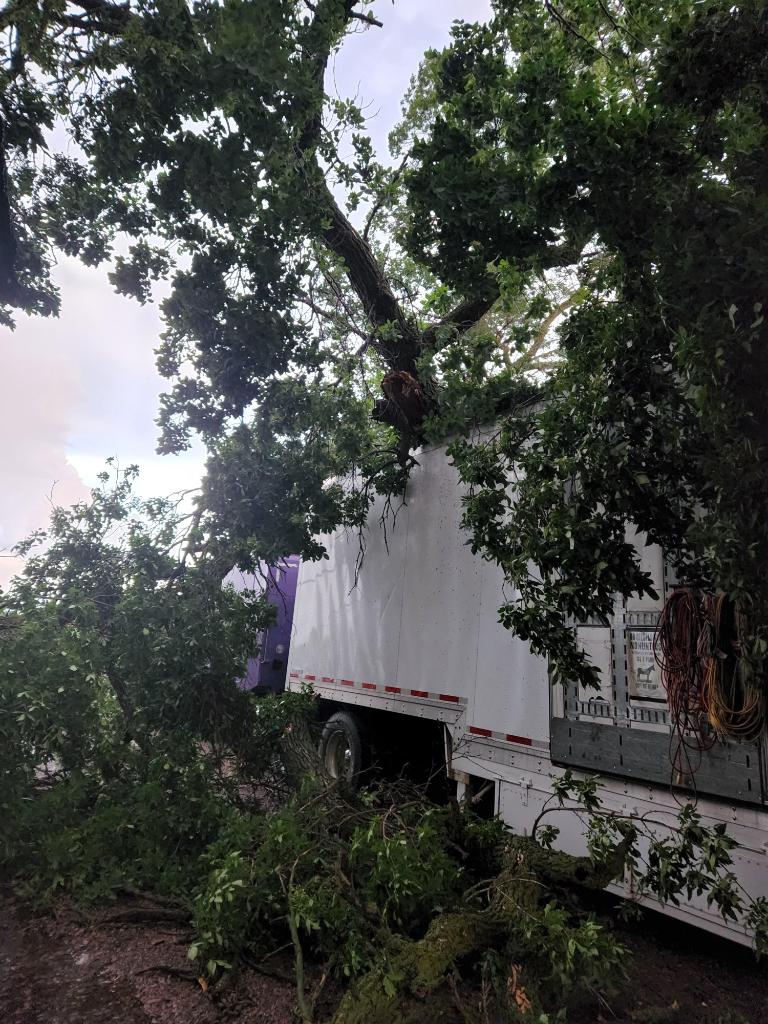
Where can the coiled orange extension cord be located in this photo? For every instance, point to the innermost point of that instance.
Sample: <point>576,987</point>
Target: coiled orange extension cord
<point>710,695</point>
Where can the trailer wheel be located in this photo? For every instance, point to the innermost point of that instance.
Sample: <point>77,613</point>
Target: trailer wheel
<point>343,749</point>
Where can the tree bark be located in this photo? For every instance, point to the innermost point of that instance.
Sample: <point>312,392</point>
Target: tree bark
<point>370,285</point>
<point>463,317</point>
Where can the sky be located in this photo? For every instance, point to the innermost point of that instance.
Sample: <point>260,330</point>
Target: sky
<point>83,387</point>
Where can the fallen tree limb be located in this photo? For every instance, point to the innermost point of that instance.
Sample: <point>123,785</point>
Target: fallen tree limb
<point>403,989</point>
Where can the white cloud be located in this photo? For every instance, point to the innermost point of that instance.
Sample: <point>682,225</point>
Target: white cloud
<point>162,476</point>
<point>39,391</point>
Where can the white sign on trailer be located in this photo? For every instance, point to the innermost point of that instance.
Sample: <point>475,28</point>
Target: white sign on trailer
<point>643,671</point>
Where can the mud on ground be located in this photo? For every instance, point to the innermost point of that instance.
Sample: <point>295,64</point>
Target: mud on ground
<point>69,968</point>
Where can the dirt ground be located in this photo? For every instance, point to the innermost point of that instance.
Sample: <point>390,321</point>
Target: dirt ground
<point>65,969</point>
<point>68,969</point>
<point>678,974</point>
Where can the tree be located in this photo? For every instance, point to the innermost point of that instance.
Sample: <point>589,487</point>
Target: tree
<point>616,153</point>
<point>111,629</point>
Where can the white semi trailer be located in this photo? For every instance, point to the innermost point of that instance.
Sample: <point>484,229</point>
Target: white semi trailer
<point>415,645</point>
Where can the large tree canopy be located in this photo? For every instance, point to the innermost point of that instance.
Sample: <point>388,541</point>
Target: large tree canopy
<point>595,165</point>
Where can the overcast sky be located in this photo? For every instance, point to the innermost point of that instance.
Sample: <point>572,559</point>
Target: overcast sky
<point>78,389</point>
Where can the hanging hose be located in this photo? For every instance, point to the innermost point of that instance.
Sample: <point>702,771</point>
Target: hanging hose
<point>677,648</point>
<point>710,695</point>
<point>735,703</point>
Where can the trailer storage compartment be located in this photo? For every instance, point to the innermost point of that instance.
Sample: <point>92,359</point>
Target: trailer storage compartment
<point>627,729</point>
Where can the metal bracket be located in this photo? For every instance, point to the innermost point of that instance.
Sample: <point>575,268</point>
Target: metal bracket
<point>525,785</point>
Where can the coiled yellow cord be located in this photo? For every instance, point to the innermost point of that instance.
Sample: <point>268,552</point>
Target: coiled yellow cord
<point>736,705</point>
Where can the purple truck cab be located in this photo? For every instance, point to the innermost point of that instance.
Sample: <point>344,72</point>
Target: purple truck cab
<point>266,672</point>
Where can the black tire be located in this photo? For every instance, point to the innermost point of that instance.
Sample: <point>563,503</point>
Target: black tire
<point>344,751</point>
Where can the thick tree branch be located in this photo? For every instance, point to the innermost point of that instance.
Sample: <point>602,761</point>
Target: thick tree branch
<point>97,16</point>
<point>369,282</point>
<point>330,20</point>
<point>470,311</point>
<point>367,19</point>
<point>119,13</point>
<point>462,318</point>
<point>341,238</point>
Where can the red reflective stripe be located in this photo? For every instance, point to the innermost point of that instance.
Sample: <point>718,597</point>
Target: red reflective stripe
<point>392,689</point>
<point>450,697</point>
<point>525,740</point>
<point>480,732</point>
<point>368,686</point>
<point>295,675</point>
<point>310,678</point>
<point>347,682</point>
<point>328,679</point>
<point>419,693</point>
